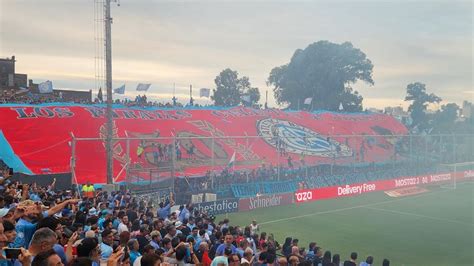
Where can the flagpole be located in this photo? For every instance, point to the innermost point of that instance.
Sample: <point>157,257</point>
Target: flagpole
<point>190,95</point>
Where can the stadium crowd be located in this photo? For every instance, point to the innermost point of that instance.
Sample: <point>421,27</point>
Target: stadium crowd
<point>48,226</point>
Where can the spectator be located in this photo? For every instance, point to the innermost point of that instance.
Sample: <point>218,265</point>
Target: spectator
<point>248,257</point>
<point>222,259</point>
<point>89,248</point>
<point>107,243</point>
<point>155,239</point>
<point>352,261</point>
<point>88,190</point>
<point>336,260</point>
<point>368,262</point>
<point>133,248</point>
<point>227,244</point>
<point>49,258</point>
<point>254,227</point>
<point>123,226</point>
<point>150,260</point>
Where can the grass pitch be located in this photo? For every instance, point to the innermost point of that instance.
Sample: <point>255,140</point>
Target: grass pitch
<point>434,228</point>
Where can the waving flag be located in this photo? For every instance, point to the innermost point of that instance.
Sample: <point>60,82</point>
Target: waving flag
<point>143,86</point>
<point>45,87</point>
<point>120,90</point>
<point>204,92</point>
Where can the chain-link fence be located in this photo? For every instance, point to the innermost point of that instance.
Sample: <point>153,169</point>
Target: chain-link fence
<point>205,163</point>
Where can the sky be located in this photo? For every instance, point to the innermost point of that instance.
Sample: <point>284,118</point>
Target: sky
<point>189,42</point>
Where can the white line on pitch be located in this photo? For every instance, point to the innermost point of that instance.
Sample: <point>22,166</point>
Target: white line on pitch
<point>351,208</point>
<point>420,215</point>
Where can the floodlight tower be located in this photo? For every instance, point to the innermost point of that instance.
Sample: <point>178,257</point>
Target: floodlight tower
<point>108,85</point>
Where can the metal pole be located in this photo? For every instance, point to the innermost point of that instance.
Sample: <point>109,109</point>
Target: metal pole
<point>278,157</point>
<point>212,161</point>
<point>108,76</point>
<point>129,161</point>
<point>454,148</point>
<point>73,160</point>
<point>410,149</point>
<point>173,158</point>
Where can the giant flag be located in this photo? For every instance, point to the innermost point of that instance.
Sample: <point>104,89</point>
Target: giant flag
<point>38,137</point>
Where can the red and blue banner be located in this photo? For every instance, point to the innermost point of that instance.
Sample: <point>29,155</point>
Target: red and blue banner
<point>36,139</point>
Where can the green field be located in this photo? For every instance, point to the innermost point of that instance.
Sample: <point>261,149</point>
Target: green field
<point>434,228</point>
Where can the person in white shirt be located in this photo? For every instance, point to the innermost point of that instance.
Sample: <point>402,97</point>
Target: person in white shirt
<point>254,227</point>
<point>248,257</point>
<point>123,226</point>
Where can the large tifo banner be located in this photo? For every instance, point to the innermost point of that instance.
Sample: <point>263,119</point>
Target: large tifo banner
<point>306,195</point>
<point>36,139</point>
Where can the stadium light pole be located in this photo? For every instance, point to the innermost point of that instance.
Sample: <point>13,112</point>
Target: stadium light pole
<point>108,83</point>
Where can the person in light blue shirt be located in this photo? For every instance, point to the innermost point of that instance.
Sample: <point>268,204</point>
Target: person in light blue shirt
<point>155,239</point>
<point>107,243</point>
<point>31,213</point>
<point>227,244</point>
<point>368,262</point>
<point>165,209</point>
<point>185,213</point>
<point>133,247</point>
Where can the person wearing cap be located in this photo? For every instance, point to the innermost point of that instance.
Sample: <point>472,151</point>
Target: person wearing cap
<point>89,248</point>
<point>107,243</point>
<point>92,212</point>
<point>155,239</point>
<point>4,212</point>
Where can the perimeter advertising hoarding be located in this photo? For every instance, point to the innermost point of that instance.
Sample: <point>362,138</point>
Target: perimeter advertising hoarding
<point>218,206</point>
<point>265,201</point>
<point>306,195</point>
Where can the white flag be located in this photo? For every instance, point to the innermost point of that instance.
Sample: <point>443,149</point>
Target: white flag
<point>232,161</point>
<point>341,107</point>
<point>143,86</point>
<point>308,100</point>
<point>45,87</point>
<point>120,90</point>
<point>245,98</point>
<point>204,92</point>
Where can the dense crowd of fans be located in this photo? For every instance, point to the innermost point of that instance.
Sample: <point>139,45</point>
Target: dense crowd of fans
<point>89,227</point>
<point>26,97</point>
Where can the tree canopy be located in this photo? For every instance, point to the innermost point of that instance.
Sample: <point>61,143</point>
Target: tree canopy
<point>323,71</point>
<point>416,93</point>
<point>231,90</point>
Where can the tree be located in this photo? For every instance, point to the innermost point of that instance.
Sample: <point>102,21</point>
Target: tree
<point>324,72</point>
<point>253,96</point>
<point>230,90</point>
<point>416,93</point>
<point>445,119</point>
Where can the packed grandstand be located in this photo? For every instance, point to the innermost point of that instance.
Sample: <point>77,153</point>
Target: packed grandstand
<point>247,158</point>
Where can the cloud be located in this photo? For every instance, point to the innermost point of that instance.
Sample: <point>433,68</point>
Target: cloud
<point>190,42</point>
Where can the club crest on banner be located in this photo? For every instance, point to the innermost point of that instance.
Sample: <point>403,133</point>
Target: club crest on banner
<point>294,138</point>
